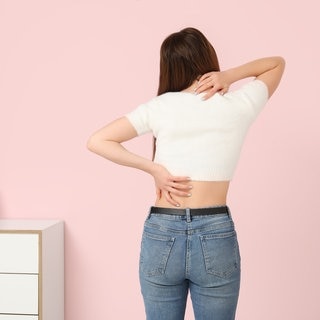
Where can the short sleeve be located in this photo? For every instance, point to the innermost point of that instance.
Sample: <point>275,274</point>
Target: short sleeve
<point>140,119</point>
<point>254,95</point>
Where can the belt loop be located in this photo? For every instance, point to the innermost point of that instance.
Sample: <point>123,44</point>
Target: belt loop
<point>229,212</point>
<point>188,215</point>
<point>149,214</point>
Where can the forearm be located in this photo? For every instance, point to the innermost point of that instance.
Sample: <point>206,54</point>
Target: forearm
<point>269,70</point>
<point>116,153</point>
<point>165,183</point>
<point>254,68</point>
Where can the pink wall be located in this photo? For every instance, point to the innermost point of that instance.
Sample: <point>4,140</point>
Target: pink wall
<point>67,67</point>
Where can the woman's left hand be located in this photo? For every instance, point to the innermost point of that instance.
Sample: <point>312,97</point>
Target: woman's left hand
<point>211,83</point>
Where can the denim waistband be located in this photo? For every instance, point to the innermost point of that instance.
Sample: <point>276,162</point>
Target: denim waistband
<point>191,211</point>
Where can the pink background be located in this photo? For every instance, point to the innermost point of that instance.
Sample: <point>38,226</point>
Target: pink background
<point>68,67</point>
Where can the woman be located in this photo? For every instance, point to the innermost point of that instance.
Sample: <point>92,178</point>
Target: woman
<point>189,242</point>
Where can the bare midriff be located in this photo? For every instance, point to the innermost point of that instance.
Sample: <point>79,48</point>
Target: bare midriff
<point>203,194</point>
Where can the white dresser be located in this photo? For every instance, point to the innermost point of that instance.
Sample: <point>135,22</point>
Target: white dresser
<point>31,270</point>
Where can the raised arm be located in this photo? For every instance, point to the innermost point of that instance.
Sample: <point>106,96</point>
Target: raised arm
<point>269,70</point>
<point>106,142</point>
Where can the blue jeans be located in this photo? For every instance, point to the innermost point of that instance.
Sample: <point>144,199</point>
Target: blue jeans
<point>196,253</point>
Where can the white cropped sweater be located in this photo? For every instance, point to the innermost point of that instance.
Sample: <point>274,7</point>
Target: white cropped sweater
<point>199,138</point>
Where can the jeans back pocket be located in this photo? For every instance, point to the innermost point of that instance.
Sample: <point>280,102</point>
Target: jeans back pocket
<point>155,251</point>
<point>221,253</point>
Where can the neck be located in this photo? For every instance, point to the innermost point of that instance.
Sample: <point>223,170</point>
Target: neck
<point>192,88</point>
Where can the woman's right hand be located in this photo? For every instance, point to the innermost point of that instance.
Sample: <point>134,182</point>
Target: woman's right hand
<point>168,185</point>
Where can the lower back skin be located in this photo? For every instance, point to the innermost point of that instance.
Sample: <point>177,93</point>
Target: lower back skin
<point>203,194</point>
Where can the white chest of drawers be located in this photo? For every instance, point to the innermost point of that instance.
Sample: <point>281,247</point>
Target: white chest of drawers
<point>31,270</point>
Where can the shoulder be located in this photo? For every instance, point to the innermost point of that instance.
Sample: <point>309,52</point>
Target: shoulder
<point>144,115</point>
<point>155,102</point>
<point>252,96</point>
<point>255,92</point>
<point>253,87</point>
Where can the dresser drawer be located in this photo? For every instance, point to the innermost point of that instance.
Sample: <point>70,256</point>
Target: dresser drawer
<point>17,317</point>
<point>19,294</point>
<point>19,252</point>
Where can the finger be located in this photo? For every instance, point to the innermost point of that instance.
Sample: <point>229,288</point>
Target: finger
<point>181,186</point>
<point>204,85</point>
<point>179,183</point>
<point>179,178</point>
<point>209,93</point>
<point>178,192</point>
<point>224,91</point>
<point>205,79</point>
<point>205,76</point>
<point>170,200</point>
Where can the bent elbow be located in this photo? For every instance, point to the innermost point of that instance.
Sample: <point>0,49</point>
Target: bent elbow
<point>92,144</point>
<point>282,62</point>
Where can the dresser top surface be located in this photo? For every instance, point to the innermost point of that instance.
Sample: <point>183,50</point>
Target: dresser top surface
<point>27,224</point>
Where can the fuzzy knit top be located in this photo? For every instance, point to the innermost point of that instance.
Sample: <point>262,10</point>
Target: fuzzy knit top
<point>200,138</point>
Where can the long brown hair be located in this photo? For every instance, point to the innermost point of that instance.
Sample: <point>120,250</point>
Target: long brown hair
<point>184,56</point>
